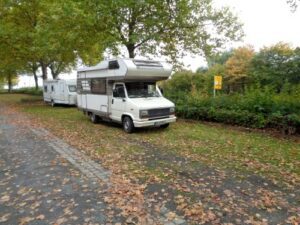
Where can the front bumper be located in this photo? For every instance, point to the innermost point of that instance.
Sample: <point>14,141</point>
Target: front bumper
<point>153,123</point>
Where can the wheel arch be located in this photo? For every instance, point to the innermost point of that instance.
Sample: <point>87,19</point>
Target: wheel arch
<point>126,114</point>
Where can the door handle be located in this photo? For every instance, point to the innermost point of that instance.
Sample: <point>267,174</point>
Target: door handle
<point>112,101</point>
<point>124,100</point>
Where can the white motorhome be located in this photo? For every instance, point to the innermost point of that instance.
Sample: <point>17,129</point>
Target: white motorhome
<point>60,92</point>
<point>125,91</point>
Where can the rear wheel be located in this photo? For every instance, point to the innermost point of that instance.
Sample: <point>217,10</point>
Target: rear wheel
<point>164,126</point>
<point>94,118</point>
<point>128,125</point>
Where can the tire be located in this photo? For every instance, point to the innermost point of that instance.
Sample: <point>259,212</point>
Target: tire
<point>52,103</point>
<point>128,125</point>
<point>164,126</point>
<point>94,118</point>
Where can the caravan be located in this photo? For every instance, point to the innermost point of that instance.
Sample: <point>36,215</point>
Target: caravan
<point>60,92</point>
<point>125,91</point>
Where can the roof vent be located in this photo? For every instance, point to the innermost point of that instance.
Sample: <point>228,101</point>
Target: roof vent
<point>113,65</point>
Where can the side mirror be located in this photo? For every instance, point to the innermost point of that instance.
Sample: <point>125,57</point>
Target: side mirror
<point>161,90</point>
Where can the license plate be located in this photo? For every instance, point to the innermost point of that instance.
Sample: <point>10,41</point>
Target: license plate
<point>159,123</point>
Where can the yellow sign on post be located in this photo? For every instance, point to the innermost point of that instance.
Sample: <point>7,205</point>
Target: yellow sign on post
<point>218,83</point>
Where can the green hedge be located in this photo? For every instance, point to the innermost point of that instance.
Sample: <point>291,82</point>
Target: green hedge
<point>29,91</point>
<point>255,108</point>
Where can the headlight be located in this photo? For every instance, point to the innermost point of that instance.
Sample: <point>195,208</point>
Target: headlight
<point>143,113</point>
<point>172,110</point>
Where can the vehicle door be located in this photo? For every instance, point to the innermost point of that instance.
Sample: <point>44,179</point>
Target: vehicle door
<point>118,101</point>
<point>61,93</point>
<point>52,91</point>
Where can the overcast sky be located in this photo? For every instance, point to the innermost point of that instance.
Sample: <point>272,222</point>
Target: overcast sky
<point>266,22</point>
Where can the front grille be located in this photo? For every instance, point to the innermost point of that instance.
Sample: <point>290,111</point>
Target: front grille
<point>158,118</point>
<point>158,112</point>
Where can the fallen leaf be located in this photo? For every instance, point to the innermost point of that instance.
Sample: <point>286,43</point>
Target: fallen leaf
<point>171,216</point>
<point>25,220</point>
<point>40,217</point>
<point>4,218</point>
<point>4,198</point>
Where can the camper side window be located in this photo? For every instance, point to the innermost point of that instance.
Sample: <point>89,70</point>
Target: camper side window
<point>98,86</point>
<point>52,88</point>
<point>45,88</point>
<point>79,86</point>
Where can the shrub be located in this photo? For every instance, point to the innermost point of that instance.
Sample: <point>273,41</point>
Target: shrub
<point>29,91</point>
<point>257,107</point>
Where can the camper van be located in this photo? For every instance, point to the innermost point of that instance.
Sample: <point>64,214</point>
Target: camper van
<point>60,92</point>
<point>125,91</point>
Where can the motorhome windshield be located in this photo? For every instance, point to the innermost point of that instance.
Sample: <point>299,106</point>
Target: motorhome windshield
<point>72,88</point>
<point>141,90</point>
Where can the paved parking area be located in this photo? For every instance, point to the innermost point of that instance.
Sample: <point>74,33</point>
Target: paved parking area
<point>45,181</point>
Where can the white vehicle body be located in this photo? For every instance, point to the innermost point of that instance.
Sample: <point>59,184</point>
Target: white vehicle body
<point>119,88</point>
<point>60,92</point>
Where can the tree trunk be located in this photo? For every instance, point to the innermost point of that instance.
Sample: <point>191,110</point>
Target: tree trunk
<point>9,83</point>
<point>54,73</point>
<point>55,69</point>
<point>130,48</point>
<point>35,81</point>
<point>44,70</point>
<point>34,67</point>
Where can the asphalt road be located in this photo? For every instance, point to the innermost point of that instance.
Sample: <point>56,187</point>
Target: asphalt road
<point>45,181</point>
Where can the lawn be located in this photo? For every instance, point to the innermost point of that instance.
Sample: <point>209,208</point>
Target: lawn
<point>238,150</point>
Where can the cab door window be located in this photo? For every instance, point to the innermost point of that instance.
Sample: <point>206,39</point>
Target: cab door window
<point>119,91</point>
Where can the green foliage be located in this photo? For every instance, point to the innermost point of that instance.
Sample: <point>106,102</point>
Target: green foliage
<point>49,34</point>
<point>259,89</point>
<point>219,58</point>
<point>256,107</point>
<point>276,65</point>
<point>8,76</point>
<point>168,28</point>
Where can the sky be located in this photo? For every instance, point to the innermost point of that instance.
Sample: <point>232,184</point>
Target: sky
<point>266,22</point>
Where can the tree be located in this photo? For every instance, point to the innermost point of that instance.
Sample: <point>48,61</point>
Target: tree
<point>293,4</point>
<point>168,28</point>
<point>1,83</point>
<point>202,69</point>
<point>219,58</point>
<point>10,62</point>
<point>237,68</point>
<point>49,34</point>
<point>276,65</point>
<point>32,68</point>
<point>8,77</point>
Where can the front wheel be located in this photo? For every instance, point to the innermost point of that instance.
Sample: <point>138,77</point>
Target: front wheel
<point>128,125</point>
